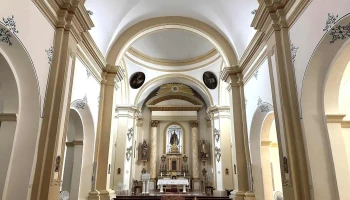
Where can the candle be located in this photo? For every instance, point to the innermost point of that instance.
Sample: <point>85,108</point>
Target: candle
<point>184,174</point>
<point>161,174</point>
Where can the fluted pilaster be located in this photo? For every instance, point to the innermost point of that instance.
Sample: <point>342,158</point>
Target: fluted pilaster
<point>153,155</point>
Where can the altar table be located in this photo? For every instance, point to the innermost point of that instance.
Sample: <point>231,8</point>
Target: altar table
<point>182,182</point>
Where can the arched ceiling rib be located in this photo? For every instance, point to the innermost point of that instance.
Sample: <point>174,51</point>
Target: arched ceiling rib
<point>232,18</point>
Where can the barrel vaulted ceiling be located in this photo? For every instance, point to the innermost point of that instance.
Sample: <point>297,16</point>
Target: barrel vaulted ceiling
<point>231,18</point>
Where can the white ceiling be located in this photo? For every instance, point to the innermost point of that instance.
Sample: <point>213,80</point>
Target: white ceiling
<point>232,18</point>
<point>173,44</point>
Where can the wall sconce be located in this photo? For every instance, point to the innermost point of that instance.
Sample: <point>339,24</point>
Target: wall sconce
<point>217,154</point>
<point>130,133</point>
<point>216,134</point>
<point>128,153</point>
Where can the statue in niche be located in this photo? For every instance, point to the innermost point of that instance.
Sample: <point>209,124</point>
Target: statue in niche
<point>174,141</point>
<point>204,150</point>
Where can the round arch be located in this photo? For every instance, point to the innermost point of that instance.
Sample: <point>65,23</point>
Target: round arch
<point>314,121</point>
<point>122,43</point>
<point>255,138</point>
<point>148,87</point>
<point>88,146</point>
<point>19,173</point>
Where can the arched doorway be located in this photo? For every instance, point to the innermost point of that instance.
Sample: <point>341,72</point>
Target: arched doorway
<point>325,116</point>
<point>270,162</point>
<point>9,106</point>
<point>79,152</point>
<point>265,158</point>
<point>20,119</point>
<point>73,155</point>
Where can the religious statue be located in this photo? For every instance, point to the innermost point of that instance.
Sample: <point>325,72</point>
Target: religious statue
<point>174,141</point>
<point>204,150</point>
<point>144,148</point>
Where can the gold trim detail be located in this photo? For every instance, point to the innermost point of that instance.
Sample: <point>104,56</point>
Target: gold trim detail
<point>154,123</point>
<point>165,62</point>
<point>194,123</point>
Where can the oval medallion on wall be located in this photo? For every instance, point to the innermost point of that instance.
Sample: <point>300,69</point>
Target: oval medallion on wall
<point>210,80</point>
<point>137,80</point>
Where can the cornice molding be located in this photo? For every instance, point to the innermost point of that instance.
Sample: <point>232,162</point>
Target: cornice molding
<point>147,65</point>
<point>191,61</point>
<point>87,63</point>
<point>174,118</point>
<point>254,66</point>
<point>335,118</point>
<point>176,95</point>
<point>8,117</point>
<point>174,108</point>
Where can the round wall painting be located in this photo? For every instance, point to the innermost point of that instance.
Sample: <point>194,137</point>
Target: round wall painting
<point>210,80</point>
<point>137,80</point>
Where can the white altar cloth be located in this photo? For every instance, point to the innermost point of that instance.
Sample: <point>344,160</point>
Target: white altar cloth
<point>172,182</point>
<point>182,182</point>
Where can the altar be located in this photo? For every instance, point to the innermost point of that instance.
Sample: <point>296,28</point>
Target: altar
<point>162,182</point>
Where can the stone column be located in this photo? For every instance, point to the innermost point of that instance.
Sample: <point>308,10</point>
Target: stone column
<point>284,94</point>
<point>222,147</point>
<point>234,76</point>
<point>124,133</point>
<point>50,153</point>
<point>195,156</point>
<point>153,154</point>
<point>104,128</point>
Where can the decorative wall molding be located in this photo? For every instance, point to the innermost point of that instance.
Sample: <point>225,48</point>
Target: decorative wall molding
<point>262,106</point>
<point>8,117</point>
<point>49,53</point>
<point>130,133</point>
<point>331,20</point>
<point>5,36</point>
<point>10,23</point>
<point>128,153</point>
<point>88,73</point>
<point>255,74</point>
<point>340,32</point>
<point>294,51</point>
<point>83,103</point>
<point>216,134</point>
<point>89,12</point>
<point>217,154</point>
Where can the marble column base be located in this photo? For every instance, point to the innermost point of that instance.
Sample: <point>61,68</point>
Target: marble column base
<point>101,195</point>
<point>237,195</point>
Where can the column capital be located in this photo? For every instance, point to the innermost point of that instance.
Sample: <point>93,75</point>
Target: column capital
<point>194,123</point>
<point>115,70</point>
<point>127,111</point>
<point>154,123</point>
<point>228,72</point>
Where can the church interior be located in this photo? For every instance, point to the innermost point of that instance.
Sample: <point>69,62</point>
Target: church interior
<point>174,99</point>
